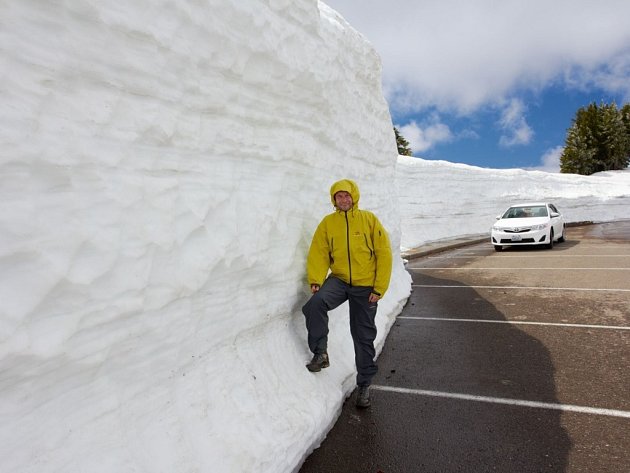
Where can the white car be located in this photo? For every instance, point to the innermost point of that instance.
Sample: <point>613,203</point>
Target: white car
<point>537,223</point>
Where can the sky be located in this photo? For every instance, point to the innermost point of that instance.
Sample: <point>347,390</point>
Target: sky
<point>495,84</point>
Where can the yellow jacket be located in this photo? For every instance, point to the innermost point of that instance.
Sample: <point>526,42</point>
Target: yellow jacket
<point>353,245</point>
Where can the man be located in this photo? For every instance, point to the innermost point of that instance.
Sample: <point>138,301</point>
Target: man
<point>354,246</point>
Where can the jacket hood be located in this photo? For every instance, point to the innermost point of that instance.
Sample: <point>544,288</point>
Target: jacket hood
<point>348,186</point>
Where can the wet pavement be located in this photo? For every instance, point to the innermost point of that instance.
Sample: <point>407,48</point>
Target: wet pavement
<point>509,362</point>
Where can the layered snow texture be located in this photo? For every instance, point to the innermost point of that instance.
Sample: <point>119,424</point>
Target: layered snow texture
<point>163,167</point>
<point>441,200</point>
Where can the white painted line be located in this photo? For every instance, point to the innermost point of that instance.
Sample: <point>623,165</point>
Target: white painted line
<point>459,268</point>
<point>586,289</point>
<point>616,244</point>
<point>546,255</point>
<point>510,402</point>
<point>516,322</point>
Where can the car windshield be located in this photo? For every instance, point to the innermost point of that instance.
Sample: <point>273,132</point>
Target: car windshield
<point>524,212</point>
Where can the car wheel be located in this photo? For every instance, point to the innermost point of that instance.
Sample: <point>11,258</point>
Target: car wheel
<point>562,239</point>
<point>549,245</point>
<point>498,248</point>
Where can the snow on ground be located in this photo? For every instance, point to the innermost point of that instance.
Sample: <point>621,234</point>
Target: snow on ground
<point>163,168</point>
<point>440,200</point>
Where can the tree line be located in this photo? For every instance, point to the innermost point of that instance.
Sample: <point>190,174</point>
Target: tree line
<point>598,140</point>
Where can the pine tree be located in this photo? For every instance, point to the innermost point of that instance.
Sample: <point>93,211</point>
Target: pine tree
<point>598,140</point>
<point>625,118</point>
<point>614,139</point>
<point>403,144</point>
<point>578,157</point>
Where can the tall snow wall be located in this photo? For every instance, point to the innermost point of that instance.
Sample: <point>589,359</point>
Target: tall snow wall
<point>163,167</point>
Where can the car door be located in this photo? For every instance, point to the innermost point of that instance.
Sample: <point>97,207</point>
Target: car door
<point>556,220</point>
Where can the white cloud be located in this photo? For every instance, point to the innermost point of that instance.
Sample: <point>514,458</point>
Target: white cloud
<point>460,56</point>
<point>513,123</point>
<point>550,161</point>
<point>468,134</point>
<point>424,136</point>
<point>613,77</point>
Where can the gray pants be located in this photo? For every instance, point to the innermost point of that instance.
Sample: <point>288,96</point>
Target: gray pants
<point>333,293</point>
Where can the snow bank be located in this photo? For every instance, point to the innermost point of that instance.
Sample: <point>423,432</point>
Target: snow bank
<point>440,200</point>
<point>163,167</point>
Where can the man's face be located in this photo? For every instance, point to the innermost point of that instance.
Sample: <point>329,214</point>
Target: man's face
<point>343,200</point>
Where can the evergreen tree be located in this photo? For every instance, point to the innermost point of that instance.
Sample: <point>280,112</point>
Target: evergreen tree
<point>598,140</point>
<point>625,118</point>
<point>577,157</point>
<point>614,139</point>
<point>403,144</point>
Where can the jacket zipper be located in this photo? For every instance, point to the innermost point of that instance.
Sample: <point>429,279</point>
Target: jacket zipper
<point>348,245</point>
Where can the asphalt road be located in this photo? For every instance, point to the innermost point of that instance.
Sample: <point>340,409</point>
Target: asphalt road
<point>501,362</point>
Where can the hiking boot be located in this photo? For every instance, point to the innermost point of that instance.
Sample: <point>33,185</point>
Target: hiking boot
<point>319,361</point>
<point>363,397</point>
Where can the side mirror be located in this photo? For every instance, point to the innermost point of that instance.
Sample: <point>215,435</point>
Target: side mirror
<point>554,214</point>
<point>498,217</point>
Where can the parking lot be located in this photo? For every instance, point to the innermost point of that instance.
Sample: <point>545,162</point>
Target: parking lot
<point>511,362</point>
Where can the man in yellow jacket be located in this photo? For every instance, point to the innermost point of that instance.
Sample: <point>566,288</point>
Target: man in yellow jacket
<point>354,246</point>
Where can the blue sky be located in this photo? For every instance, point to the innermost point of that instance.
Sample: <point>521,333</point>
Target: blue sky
<point>495,84</point>
<point>481,138</point>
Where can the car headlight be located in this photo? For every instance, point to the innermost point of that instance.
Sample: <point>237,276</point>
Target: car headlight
<point>542,226</point>
<point>497,228</point>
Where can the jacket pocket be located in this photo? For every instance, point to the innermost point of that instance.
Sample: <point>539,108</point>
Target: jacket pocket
<point>368,246</point>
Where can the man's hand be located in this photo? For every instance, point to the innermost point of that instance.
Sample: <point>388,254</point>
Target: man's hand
<point>314,288</point>
<point>373,298</point>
